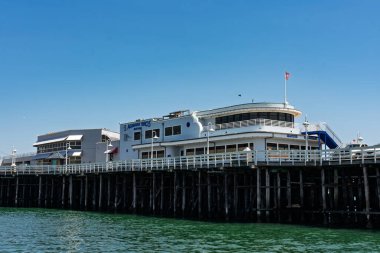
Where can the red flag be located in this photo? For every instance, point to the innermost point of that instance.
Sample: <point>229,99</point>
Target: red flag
<point>287,75</point>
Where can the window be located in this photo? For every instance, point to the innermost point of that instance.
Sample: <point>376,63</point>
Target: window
<point>174,130</point>
<point>220,149</point>
<point>137,136</point>
<point>145,155</point>
<point>283,146</point>
<point>271,146</point>
<point>294,147</point>
<point>231,148</point>
<point>168,131</point>
<point>190,151</point>
<point>148,133</point>
<point>199,151</point>
<point>243,146</point>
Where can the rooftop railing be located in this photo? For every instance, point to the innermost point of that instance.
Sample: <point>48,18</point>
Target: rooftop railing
<point>368,155</point>
<point>254,122</point>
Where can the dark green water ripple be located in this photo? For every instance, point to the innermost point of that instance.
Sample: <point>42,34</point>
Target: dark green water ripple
<point>39,230</point>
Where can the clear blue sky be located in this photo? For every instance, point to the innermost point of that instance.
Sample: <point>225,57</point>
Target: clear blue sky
<point>89,64</point>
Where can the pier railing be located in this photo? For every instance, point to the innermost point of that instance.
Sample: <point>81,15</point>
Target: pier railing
<point>368,155</point>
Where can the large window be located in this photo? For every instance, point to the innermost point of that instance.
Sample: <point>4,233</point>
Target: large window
<point>148,133</point>
<point>255,115</point>
<point>172,130</point>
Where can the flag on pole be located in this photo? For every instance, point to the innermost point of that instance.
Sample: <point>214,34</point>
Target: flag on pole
<point>287,75</point>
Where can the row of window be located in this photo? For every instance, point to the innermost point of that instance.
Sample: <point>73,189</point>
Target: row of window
<point>255,115</point>
<point>278,146</point>
<point>219,149</point>
<point>59,146</point>
<point>156,154</point>
<point>169,131</point>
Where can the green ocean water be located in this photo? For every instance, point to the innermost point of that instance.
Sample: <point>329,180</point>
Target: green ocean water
<point>42,230</point>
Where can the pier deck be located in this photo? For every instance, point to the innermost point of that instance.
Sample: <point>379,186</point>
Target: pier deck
<point>336,188</point>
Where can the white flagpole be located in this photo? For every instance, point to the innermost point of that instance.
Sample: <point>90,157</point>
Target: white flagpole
<point>285,99</point>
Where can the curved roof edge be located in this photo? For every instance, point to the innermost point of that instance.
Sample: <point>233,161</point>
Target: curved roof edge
<point>263,106</point>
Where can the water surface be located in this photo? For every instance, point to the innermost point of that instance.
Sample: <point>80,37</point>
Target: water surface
<point>43,230</point>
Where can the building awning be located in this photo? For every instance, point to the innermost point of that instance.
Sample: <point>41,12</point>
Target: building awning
<point>76,154</point>
<point>111,151</point>
<point>67,138</point>
<point>41,156</point>
<point>56,155</point>
<point>74,137</point>
<point>49,141</point>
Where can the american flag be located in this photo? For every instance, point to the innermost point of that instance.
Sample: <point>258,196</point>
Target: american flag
<point>287,75</point>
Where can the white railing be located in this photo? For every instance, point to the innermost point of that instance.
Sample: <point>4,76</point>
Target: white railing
<point>237,159</point>
<point>254,122</point>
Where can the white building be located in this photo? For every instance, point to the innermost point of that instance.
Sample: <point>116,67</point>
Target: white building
<point>81,146</point>
<point>258,126</point>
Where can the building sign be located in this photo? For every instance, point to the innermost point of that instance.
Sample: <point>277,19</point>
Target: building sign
<point>139,124</point>
<point>292,136</point>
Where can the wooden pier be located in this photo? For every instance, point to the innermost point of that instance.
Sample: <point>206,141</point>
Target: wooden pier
<point>344,195</point>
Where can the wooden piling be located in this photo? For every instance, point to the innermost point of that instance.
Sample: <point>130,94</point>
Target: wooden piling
<point>116,200</point>
<point>336,189</point>
<point>267,193</point>
<point>236,197</point>
<point>324,203</point>
<point>109,191</point>
<point>199,194</point>
<point>289,195</point>
<point>301,195</point>
<point>100,191</point>
<point>378,185</point>
<point>63,191</point>
<point>154,192</point>
<point>175,194</point>
<point>134,192</point>
<point>367,197</point>
<point>71,191</point>
<point>183,193</point>
<point>258,195</point>
<point>39,190</point>
<point>86,192</point>
<point>16,191</point>
<point>226,209</point>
